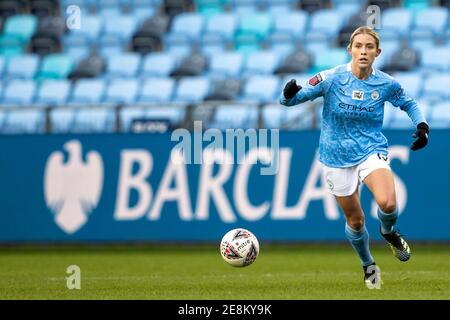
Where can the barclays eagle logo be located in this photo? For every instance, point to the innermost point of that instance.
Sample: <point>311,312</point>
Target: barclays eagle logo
<point>72,189</point>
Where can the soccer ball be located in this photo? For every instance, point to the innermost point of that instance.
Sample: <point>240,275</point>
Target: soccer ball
<point>239,247</point>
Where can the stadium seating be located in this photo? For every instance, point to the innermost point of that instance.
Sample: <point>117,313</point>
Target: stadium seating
<point>94,120</point>
<point>88,91</point>
<point>124,65</point>
<point>122,91</point>
<point>172,53</point>
<point>440,115</point>
<point>53,92</point>
<point>192,89</point>
<point>229,116</point>
<point>55,66</point>
<point>19,93</point>
<point>261,89</point>
<point>24,121</point>
<point>22,67</point>
<point>156,90</point>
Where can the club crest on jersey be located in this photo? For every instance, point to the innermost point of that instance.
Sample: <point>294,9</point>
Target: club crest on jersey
<point>375,95</point>
<point>315,80</point>
<point>357,95</point>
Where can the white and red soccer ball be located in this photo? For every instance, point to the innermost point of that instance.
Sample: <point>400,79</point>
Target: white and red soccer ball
<point>239,247</point>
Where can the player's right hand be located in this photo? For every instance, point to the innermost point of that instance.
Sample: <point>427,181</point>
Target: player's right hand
<point>290,89</point>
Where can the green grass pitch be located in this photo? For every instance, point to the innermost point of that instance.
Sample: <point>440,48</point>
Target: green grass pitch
<point>314,271</point>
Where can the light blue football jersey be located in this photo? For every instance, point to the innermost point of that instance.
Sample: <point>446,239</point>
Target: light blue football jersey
<point>353,112</point>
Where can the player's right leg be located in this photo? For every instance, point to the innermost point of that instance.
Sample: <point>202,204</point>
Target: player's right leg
<point>356,233</point>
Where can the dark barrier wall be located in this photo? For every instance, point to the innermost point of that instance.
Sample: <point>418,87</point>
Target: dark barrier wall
<point>125,187</point>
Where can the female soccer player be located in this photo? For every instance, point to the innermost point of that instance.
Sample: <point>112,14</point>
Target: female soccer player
<point>352,148</point>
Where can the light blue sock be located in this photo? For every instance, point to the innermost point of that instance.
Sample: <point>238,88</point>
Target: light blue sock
<point>360,242</point>
<point>387,220</point>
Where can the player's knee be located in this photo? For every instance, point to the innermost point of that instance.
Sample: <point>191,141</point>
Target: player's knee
<point>387,205</point>
<point>356,223</point>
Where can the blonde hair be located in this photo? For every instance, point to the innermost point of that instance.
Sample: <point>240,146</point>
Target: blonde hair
<point>364,30</point>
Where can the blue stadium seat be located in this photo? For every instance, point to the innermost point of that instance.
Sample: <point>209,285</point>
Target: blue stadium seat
<point>122,91</point>
<point>253,30</point>
<point>417,5</point>
<point>422,39</point>
<point>211,46</point>
<point>2,65</point>
<point>210,7</point>
<point>128,114</point>
<point>397,19</point>
<point>125,65</point>
<point>411,82</point>
<point>244,7</point>
<point>329,59</point>
<point>62,119</point>
<point>110,13</point>
<point>56,66</point>
<point>3,115</point>
<point>192,89</point>
<point>317,41</point>
<point>19,92</point>
<point>10,46</point>
<point>179,50</point>
<point>281,43</point>
<point>440,115</point>
<point>228,64</point>
<point>293,23</point>
<point>53,92</point>
<point>436,87</point>
<point>140,14</point>
<point>158,64</point>
<point>235,116</point>
<point>88,91</point>
<point>144,3</point>
<point>434,19</point>
<point>326,21</point>
<point>156,90</point>
<point>188,25</point>
<point>90,29</point>
<point>22,67</point>
<point>122,27</point>
<point>105,4</point>
<point>21,27</point>
<point>436,58</point>
<point>221,25</point>
<point>277,7</point>
<point>261,62</point>
<point>261,89</point>
<point>348,8</point>
<point>110,46</point>
<point>95,120</point>
<point>76,46</point>
<point>30,121</point>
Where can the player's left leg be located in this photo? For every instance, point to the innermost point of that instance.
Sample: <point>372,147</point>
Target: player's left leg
<point>381,184</point>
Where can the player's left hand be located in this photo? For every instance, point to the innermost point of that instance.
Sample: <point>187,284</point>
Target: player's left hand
<point>422,136</point>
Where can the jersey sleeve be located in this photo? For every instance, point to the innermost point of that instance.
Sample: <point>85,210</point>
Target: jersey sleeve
<point>315,87</point>
<point>400,99</point>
